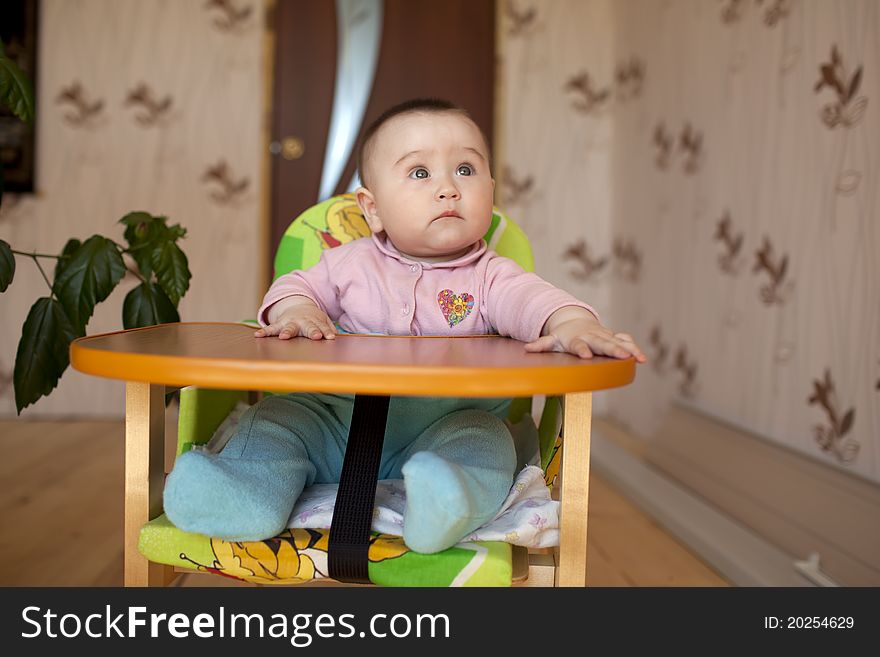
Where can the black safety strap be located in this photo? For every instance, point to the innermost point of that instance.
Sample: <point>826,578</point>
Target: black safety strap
<point>349,544</point>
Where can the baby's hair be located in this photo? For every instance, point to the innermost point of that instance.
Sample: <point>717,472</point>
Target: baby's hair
<point>413,106</point>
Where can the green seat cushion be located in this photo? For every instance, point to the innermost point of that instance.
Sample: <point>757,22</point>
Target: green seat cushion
<point>297,556</point>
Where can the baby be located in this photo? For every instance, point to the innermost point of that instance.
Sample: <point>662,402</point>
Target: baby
<point>427,198</point>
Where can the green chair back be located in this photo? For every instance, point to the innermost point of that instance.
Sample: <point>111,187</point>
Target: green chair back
<point>339,220</point>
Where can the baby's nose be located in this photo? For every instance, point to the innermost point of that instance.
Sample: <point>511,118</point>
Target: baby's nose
<point>445,193</point>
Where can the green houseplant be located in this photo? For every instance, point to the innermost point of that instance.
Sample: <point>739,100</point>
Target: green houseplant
<point>85,274</point>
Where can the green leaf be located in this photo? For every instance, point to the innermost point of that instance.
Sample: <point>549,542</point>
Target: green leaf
<point>42,353</point>
<point>176,231</point>
<point>88,278</point>
<point>7,266</point>
<point>16,90</point>
<point>141,231</point>
<point>146,305</point>
<point>138,226</point>
<point>69,249</point>
<point>172,270</point>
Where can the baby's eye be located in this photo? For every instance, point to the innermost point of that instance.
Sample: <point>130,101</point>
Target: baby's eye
<point>421,173</point>
<point>464,170</point>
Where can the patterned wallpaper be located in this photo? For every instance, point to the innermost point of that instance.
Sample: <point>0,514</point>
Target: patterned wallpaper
<point>152,106</point>
<point>703,171</point>
<point>554,136</point>
<point>710,168</point>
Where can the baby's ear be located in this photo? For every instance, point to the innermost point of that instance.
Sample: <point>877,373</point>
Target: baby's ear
<point>367,203</point>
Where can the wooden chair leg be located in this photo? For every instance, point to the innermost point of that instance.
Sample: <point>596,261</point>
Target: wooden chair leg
<point>144,478</point>
<point>574,475</point>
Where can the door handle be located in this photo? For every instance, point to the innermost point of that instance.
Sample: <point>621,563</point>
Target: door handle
<point>290,148</point>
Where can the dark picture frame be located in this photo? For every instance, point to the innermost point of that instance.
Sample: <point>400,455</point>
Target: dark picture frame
<point>18,30</point>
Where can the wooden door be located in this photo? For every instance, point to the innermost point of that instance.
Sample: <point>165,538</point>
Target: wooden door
<point>443,49</point>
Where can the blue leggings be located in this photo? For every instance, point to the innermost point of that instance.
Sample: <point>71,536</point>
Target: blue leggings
<point>456,457</point>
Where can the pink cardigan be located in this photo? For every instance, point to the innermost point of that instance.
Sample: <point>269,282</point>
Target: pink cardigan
<point>367,286</point>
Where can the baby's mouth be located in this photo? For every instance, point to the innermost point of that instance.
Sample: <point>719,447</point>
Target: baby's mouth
<point>448,213</point>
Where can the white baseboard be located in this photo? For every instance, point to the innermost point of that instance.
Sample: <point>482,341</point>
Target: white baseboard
<point>738,554</point>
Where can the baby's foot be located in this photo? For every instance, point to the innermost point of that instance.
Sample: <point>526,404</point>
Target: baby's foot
<point>238,500</point>
<point>439,503</point>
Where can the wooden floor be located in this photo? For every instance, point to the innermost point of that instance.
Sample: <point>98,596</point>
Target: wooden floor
<point>61,516</point>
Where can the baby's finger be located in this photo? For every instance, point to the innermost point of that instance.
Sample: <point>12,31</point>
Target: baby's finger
<point>266,331</point>
<point>328,329</point>
<point>610,347</point>
<point>544,343</point>
<point>290,330</point>
<point>628,342</point>
<point>580,348</point>
<point>633,349</point>
<point>311,329</point>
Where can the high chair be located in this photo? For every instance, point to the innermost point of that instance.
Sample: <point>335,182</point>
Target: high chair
<point>300,556</point>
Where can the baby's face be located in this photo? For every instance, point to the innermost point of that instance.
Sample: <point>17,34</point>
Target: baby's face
<point>430,185</point>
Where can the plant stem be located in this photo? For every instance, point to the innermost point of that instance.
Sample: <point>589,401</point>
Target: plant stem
<point>129,269</point>
<point>46,278</point>
<point>37,255</point>
<point>122,252</point>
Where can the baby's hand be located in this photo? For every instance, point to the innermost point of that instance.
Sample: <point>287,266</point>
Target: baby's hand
<point>578,332</point>
<point>297,316</point>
